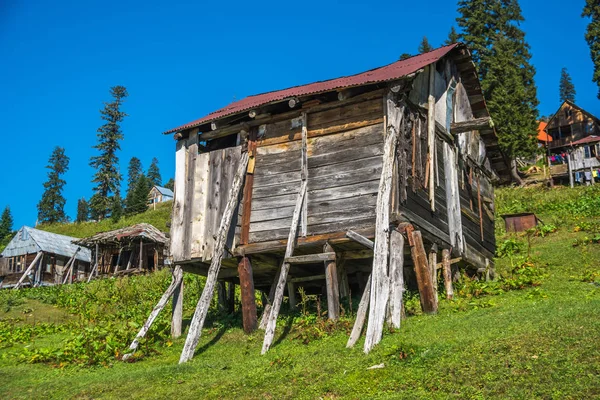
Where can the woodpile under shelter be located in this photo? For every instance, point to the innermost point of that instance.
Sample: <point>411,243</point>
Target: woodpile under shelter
<point>321,185</point>
<point>39,258</point>
<point>134,249</point>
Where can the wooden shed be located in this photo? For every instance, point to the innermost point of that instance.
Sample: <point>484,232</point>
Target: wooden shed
<point>308,186</point>
<point>38,258</point>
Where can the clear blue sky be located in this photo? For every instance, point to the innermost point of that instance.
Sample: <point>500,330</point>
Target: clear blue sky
<point>180,61</point>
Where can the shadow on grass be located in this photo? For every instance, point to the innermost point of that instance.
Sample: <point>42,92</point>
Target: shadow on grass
<point>212,342</point>
<point>286,330</point>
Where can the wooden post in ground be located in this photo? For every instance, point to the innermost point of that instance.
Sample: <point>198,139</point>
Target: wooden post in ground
<point>141,260</point>
<point>96,266</point>
<point>396,278</point>
<point>28,270</point>
<point>177,277</point>
<point>332,284</point>
<point>433,271</point>
<point>267,309</point>
<point>431,135</point>
<point>118,260</point>
<point>447,274</point>
<point>285,267</point>
<point>231,298</point>
<point>249,317</point>
<point>422,272</point>
<point>92,273</point>
<point>204,303</point>
<point>70,264</point>
<point>361,315</point>
<point>291,287</point>
<point>222,296</point>
<point>177,319</point>
<point>343,278</point>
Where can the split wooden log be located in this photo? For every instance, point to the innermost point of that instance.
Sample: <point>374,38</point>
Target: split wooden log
<point>311,258</point>
<point>92,272</point>
<point>119,260</point>
<point>285,267</point>
<point>332,284</point>
<point>267,309</point>
<point>70,264</point>
<point>396,278</point>
<point>177,278</point>
<point>360,239</point>
<point>361,315</point>
<point>423,274</point>
<point>28,270</point>
<point>433,271</point>
<point>249,319</point>
<point>446,262</point>
<point>195,330</point>
<point>380,289</point>
<point>291,287</point>
<point>177,318</point>
<point>471,125</point>
<point>431,135</point>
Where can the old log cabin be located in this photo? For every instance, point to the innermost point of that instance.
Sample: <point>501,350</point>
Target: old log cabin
<point>317,173</point>
<point>39,258</point>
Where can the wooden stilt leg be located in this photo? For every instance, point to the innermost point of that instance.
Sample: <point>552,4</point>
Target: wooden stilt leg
<point>396,278</point>
<point>333,289</point>
<point>247,291</point>
<point>177,320</point>
<point>433,271</point>
<point>231,297</point>
<point>291,286</point>
<point>447,274</point>
<point>222,296</point>
<point>361,315</point>
<point>423,274</point>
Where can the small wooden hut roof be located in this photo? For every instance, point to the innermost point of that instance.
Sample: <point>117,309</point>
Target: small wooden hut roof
<point>143,231</point>
<point>29,240</point>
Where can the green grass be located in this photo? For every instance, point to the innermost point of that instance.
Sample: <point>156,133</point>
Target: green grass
<point>159,218</point>
<point>540,342</point>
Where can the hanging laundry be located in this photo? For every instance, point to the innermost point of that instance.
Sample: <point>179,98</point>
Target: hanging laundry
<point>588,176</point>
<point>595,174</point>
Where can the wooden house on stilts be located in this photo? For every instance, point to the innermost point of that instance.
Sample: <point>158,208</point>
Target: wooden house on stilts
<point>349,184</point>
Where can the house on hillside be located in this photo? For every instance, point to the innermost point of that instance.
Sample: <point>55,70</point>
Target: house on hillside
<point>134,249</point>
<point>403,149</point>
<point>39,258</point>
<point>573,150</point>
<point>159,194</point>
<point>542,136</point>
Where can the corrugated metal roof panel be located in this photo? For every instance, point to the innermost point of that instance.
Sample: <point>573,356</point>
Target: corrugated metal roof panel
<point>164,191</point>
<point>389,72</point>
<point>30,240</point>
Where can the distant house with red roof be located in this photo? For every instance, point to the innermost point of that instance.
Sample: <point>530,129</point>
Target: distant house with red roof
<point>543,138</point>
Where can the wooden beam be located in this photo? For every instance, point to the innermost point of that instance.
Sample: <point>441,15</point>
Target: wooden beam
<point>447,274</point>
<point>396,278</point>
<point>360,239</point>
<point>249,317</point>
<point>452,261</point>
<point>285,267</point>
<point>267,309</point>
<point>207,294</point>
<point>419,258</point>
<point>308,278</point>
<point>332,285</point>
<point>28,270</point>
<point>293,102</point>
<point>433,271</point>
<point>291,286</point>
<point>311,258</point>
<point>177,318</point>
<point>304,174</point>
<point>248,188</point>
<point>471,125</point>
<point>431,135</point>
<point>361,315</point>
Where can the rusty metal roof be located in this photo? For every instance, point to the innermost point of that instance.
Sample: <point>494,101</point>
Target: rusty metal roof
<point>143,231</point>
<point>389,72</point>
<point>587,139</point>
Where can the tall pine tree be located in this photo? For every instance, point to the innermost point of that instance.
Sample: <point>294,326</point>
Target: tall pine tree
<point>490,28</point>
<point>139,202</point>
<point>83,210</point>
<point>51,207</point>
<point>452,37</point>
<point>425,47</point>
<point>154,173</point>
<point>107,177</point>
<point>592,36</point>
<point>566,89</point>
<point>6,223</point>
<point>170,184</point>
<point>134,171</point>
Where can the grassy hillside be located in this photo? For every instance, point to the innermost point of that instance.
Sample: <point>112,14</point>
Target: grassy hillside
<point>531,334</point>
<point>159,218</point>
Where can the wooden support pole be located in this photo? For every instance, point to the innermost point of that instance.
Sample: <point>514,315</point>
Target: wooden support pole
<point>249,317</point>
<point>118,260</point>
<point>231,298</point>
<point>267,309</point>
<point>140,261</point>
<point>177,319</point>
<point>396,278</point>
<point>423,274</point>
<point>343,278</point>
<point>96,266</point>
<point>361,315</point>
<point>471,125</point>
<point>304,174</point>
<point>431,135</point>
<point>360,239</point>
<point>333,288</point>
<point>433,271</point>
<point>177,277</point>
<point>291,287</point>
<point>446,264</point>
<point>285,267</point>
<point>311,258</point>
<point>222,296</point>
<point>70,265</point>
<point>28,270</point>
<point>91,275</point>
<point>207,294</point>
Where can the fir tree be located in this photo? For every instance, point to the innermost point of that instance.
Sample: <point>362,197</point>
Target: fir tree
<point>107,177</point>
<point>116,208</point>
<point>425,47</point>
<point>566,88</point>
<point>490,28</point>
<point>51,207</point>
<point>134,171</point>
<point>170,184</point>
<point>154,173</point>
<point>404,56</point>
<point>139,202</point>
<point>6,223</point>
<point>83,210</point>
<point>452,37</point>
<point>592,36</point>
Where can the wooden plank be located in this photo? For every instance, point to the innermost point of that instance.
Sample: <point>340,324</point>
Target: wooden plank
<point>285,267</point>
<point>278,179</point>
<point>177,316</point>
<point>360,239</point>
<point>360,212</point>
<point>332,284</point>
<point>316,209</point>
<point>396,278</point>
<point>249,317</point>
<point>304,174</point>
<point>433,271</point>
<point>447,271</point>
<point>379,275</point>
<point>342,226</point>
<point>471,125</point>
<point>361,315</point>
<point>178,220</point>
<point>344,177</point>
<point>204,303</point>
<point>311,258</point>
<point>177,277</point>
<point>431,135</point>
<point>353,165</point>
<point>424,283</point>
<point>308,278</point>
<point>337,156</point>
<point>28,270</point>
<point>189,203</point>
<point>270,214</point>
<point>292,294</point>
<point>248,189</point>
<point>452,198</point>
<point>199,206</point>
<point>370,135</point>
